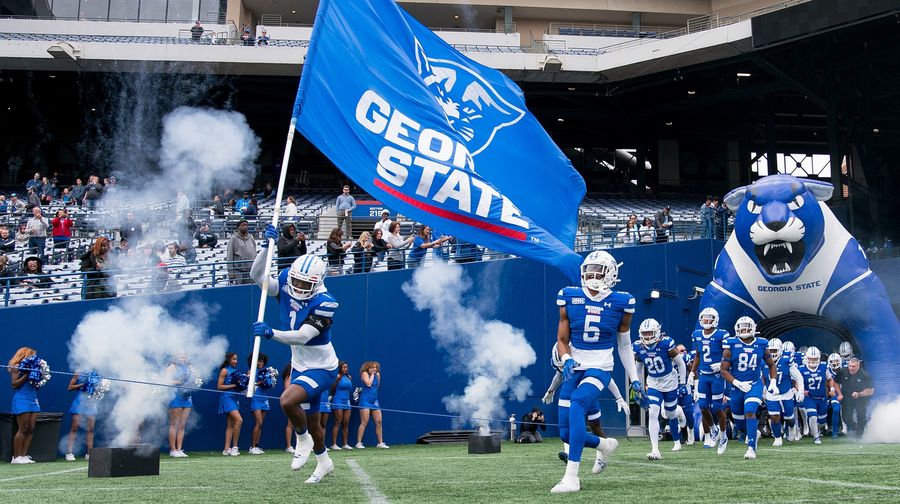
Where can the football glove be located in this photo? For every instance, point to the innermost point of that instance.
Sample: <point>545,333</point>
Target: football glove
<point>716,367</point>
<point>742,385</point>
<point>548,397</point>
<point>798,395</point>
<point>773,387</point>
<point>621,405</point>
<point>640,395</point>
<point>271,233</point>
<point>696,390</point>
<point>568,370</point>
<point>682,391</point>
<point>262,329</point>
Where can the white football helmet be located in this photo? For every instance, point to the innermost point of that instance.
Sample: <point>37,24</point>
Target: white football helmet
<point>813,357</point>
<point>555,359</point>
<point>710,316</point>
<point>845,350</point>
<point>306,276</point>
<point>599,272</point>
<point>745,328</point>
<point>776,348</point>
<point>650,332</point>
<point>788,346</point>
<point>834,362</point>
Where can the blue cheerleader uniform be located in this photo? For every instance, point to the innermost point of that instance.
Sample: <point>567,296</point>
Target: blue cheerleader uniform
<point>341,399</point>
<point>24,400</point>
<point>258,403</point>
<point>83,404</point>
<point>182,397</point>
<point>324,406</point>
<point>368,398</point>
<point>228,401</point>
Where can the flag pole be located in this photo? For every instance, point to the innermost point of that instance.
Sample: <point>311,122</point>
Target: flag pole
<point>264,293</point>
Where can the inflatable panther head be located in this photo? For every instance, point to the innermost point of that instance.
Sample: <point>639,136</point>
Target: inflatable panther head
<point>780,224</point>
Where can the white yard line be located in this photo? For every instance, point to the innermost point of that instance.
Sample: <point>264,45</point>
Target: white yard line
<point>837,483</point>
<point>116,489</point>
<point>372,493</point>
<point>29,476</point>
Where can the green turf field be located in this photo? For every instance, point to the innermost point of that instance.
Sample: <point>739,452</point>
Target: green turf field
<point>799,472</point>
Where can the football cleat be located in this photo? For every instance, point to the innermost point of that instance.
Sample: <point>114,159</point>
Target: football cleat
<point>723,444</point>
<point>750,455</point>
<point>677,446</point>
<point>298,460</point>
<point>563,456</point>
<point>690,437</point>
<point>321,471</point>
<point>709,441</point>
<point>654,455</point>
<point>604,450</point>
<point>567,485</point>
<point>777,442</point>
<point>818,440</point>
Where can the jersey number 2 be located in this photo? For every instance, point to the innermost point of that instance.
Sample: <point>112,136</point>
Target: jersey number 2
<point>591,331</point>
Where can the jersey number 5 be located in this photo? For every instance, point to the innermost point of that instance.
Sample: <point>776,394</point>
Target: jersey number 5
<point>591,331</point>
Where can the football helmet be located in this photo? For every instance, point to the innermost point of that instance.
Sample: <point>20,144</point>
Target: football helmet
<point>306,276</point>
<point>599,272</point>
<point>845,350</point>
<point>776,347</point>
<point>650,332</point>
<point>711,316</point>
<point>834,362</point>
<point>555,359</point>
<point>745,328</point>
<point>788,346</point>
<point>813,357</point>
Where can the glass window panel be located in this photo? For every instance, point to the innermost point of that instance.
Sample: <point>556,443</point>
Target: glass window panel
<point>65,9</point>
<point>153,10</point>
<point>183,10</point>
<point>123,10</point>
<point>94,9</point>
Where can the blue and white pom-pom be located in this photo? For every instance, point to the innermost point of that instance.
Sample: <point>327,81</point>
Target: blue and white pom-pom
<point>238,378</point>
<point>96,386</point>
<point>193,378</point>
<point>38,370</point>
<point>268,378</point>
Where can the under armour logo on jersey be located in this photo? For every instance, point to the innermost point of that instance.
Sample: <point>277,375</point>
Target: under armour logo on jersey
<point>607,305</point>
<point>474,108</point>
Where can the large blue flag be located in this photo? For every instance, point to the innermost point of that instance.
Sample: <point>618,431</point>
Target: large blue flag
<point>435,135</point>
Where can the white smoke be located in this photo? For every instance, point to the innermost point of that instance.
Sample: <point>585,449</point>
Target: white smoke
<point>137,341</point>
<point>883,426</point>
<point>492,354</point>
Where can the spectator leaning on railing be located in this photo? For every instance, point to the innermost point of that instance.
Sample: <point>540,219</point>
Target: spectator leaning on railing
<point>241,247</point>
<point>647,232</point>
<point>291,245</point>
<point>263,39</point>
<point>663,225</point>
<point>196,31</point>
<point>32,274</point>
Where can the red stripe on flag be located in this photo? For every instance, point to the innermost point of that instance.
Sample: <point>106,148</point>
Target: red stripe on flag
<point>440,212</point>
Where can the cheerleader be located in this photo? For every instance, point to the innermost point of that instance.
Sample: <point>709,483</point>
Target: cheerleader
<point>228,405</point>
<point>25,407</point>
<point>370,373</point>
<point>258,405</point>
<point>179,372</point>
<point>82,406</point>
<point>340,406</point>
<point>324,413</point>
<point>288,429</point>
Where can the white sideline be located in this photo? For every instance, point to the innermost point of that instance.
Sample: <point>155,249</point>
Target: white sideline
<point>375,496</point>
<point>29,476</point>
<point>837,483</point>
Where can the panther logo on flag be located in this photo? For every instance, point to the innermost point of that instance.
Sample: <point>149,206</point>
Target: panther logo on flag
<point>473,108</point>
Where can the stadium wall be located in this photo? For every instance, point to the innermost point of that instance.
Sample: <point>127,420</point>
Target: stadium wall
<point>377,321</point>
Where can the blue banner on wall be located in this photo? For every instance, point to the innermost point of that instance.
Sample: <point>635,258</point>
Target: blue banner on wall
<point>435,135</point>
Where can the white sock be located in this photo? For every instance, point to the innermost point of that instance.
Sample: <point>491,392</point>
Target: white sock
<point>654,428</point>
<point>566,448</point>
<point>323,458</point>
<point>572,469</point>
<point>679,413</point>
<point>813,426</point>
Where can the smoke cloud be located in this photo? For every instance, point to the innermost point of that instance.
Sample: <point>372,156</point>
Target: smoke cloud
<point>137,341</point>
<point>882,426</point>
<point>492,354</point>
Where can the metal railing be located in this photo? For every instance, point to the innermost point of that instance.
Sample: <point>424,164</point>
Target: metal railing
<point>605,30</point>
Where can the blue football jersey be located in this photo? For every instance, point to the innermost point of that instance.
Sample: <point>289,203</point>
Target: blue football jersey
<point>747,359</point>
<point>783,368</point>
<point>655,358</point>
<point>798,358</point>
<point>294,311</point>
<point>816,379</point>
<point>594,325</point>
<point>709,348</point>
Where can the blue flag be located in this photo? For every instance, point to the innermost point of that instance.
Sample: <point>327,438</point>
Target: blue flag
<point>435,135</point>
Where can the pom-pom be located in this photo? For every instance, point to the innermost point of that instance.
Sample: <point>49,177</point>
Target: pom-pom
<point>38,370</point>
<point>193,378</point>
<point>268,378</point>
<point>238,378</point>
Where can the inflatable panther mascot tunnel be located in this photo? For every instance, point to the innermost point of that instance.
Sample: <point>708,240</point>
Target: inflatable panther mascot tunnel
<point>788,253</point>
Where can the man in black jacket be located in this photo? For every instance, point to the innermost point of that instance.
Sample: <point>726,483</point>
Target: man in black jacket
<point>530,424</point>
<point>205,237</point>
<point>857,387</point>
<point>291,245</point>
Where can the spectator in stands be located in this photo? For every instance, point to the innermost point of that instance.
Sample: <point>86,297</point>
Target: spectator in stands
<point>384,224</point>
<point>182,203</point>
<point>3,204</point>
<point>124,248</point>
<point>196,31</point>
<point>663,225</point>
<point>263,39</point>
<point>241,247</point>
<point>628,235</point>
<point>6,273</point>
<point>706,218</point>
<point>218,207</point>
<point>93,192</point>
<point>32,274</point>
<point>37,228</point>
<point>646,233</point>
<point>78,191</point>
<point>396,244</point>
<point>174,259</point>
<point>160,279</point>
<point>363,253</point>
<point>131,228</point>
<point>185,226</point>
<point>241,204</point>
<point>379,245</point>
<point>62,228</point>
<point>67,198</point>
<point>345,205</point>
<point>336,249</point>
<point>48,189</point>
<point>22,236</point>
<point>35,182</point>
<point>246,38</point>
<point>34,199</point>
<point>186,249</point>
<point>7,240</point>
<point>205,237</point>
<point>15,205</point>
<point>531,422</point>
<point>252,208</point>
<point>290,209</point>
<point>291,245</point>
<point>721,220</point>
<point>467,252</point>
<point>857,387</point>
<point>95,263</point>
<point>421,244</point>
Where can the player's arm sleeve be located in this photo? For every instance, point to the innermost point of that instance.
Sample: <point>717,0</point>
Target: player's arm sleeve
<point>638,371</point>
<point>555,383</point>
<point>313,326</point>
<point>626,355</point>
<point>682,370</point>
<point>614,390</point>
<point>258,274</point>
<point>797,377</point>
